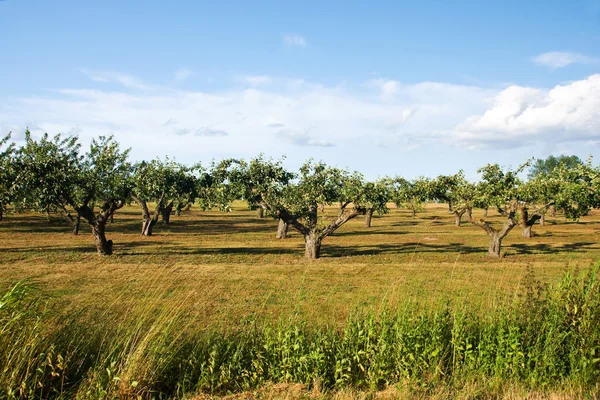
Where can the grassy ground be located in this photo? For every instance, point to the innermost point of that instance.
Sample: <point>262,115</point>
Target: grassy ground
<point>230,267</point>
<point>218,288</point>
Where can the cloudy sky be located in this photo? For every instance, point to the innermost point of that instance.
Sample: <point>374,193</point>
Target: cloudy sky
<point>404,87</point>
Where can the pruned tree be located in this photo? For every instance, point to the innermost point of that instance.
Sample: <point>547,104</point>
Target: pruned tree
<point>458,193</point>
<point>103,186</point>
<point>301,203</point>
<point>497,188</point>
<point>165,183</point>
<point>534,198</point>
<point>373,198</point>
<point>411,195</point>
<point>54,175</point>
<point>259,179</point>
<point>7,172</point>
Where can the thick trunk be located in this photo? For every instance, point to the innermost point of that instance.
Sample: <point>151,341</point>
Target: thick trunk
<point>527,222</point>
<point>468,213</point>
<point>260,212</point>
<point>368,217</point>
<point>552,211</point>
<point>76,223</point>
<point>495,245</point>
<point>543,220</point>
<point>496,236</point>
<point>312,249</point>
<point>103,246</point>
<point>459,215</point>
<point>112,218</point>
<point>282,229</point>
<point>147,226</point>
<point>166,213</point>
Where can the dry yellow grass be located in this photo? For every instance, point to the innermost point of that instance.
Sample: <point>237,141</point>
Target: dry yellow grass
<point>229,267</point>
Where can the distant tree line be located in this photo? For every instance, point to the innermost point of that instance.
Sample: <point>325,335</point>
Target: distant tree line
<point>53,174</point>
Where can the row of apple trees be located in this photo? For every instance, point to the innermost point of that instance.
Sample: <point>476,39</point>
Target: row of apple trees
<point>53,174</point>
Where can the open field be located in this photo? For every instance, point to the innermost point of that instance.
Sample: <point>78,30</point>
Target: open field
<point>214,298</point>
<point>237,269</point>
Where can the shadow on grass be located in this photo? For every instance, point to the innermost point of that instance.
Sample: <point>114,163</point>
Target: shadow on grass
<point>79,248</point>
<point>543,248</point>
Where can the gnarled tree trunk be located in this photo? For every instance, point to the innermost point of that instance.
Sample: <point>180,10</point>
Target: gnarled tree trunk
<point>98,226</point>
<point>552,211</point>
<point>496,236</point>
<point>543,220</point>
<point>495,245</point>
<point>458,217</point>
<point>103,246</point>
<point>76,224</point>
<point>312,246</point>
<point>526,222</point>
<point>260,212</point>
<point>368,217</point>
<point>282,229</point>
<point>75,221</point>
<point>148,225</point>
<point>166,213</point>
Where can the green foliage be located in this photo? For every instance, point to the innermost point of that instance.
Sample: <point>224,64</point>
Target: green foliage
<point>374,195</point>
<point>547,337</point>
<point>577,189</point>
<point>49,170</point>
<point>166,181</point>
<point>7,172</point>
<point>498,187</point>
<point>455,190</point>
<point>105,176</point>
<point>545,167</point>
<point>259,181</point>
<point>412,195</point>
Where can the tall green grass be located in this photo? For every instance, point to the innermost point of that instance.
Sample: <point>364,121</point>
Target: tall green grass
<point>546,339</point>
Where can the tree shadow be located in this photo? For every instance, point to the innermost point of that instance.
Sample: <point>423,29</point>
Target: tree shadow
<point>78,248</point>
<point>237,250</point>
<point>544,248</point>
<point>409,247</point>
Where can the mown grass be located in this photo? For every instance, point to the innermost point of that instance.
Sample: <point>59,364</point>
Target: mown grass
<point>210,303</point>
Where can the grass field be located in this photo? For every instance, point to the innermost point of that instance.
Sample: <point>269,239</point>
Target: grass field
<point>237,268</point>
<point>225,271</point>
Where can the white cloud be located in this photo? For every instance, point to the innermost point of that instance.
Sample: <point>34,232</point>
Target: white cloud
<point>301,138</point>
<point>182,74</point>
<point>302,119</point>
<point>293,116</point>
<point>255,80</point>
<point>387,88</point>
<point>560,59</point>
<point>294,40</point>
<point>521,115</point>
<point>129,81</point>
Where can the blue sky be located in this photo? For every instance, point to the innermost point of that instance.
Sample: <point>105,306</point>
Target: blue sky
<point>410,88</point>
